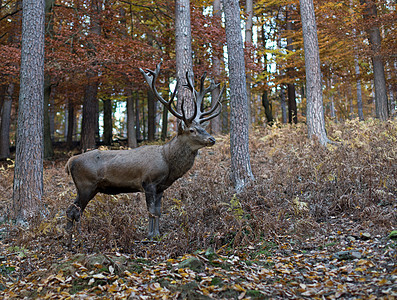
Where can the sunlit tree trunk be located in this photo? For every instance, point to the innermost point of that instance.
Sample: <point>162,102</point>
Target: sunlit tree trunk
<point>240,158</point>
<point>183,52</point>
<point>28,174</point>
<point>315,110</point>
<point>249,10</point>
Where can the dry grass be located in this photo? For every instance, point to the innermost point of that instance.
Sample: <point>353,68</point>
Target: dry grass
<point>299,186</point>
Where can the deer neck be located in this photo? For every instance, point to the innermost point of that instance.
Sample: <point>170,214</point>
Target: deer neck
<point>179,156</point>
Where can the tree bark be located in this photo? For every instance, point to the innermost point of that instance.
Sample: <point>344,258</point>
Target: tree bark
<point>107,122</point>
<point>315,110</point>
<point>28,174</point>
<point>71,122</point>
<point>292,108</point>
<point>358,88</point>
<point>131,132</point>
<point>283,105</point>
<point>48,149</point>
<point>240,158</point>
<point>183,52</point>
<point>249,10</point>
<point>151,125</point>
<point>90,110</point>
<point>268,108</point>
<point>5,122</point>
<point>216,125</point>
<point>137,122</point>
<point>381,105</point>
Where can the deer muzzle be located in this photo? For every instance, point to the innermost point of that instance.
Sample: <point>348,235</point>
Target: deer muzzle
<point>211,141</point>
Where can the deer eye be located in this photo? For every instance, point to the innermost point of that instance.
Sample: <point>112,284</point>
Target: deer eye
<point>191,130</point>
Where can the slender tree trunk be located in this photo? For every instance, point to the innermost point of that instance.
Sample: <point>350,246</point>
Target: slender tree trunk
<point>5,122</point>
<point>292,108</point>
<point>358,87</point>
<point>268,108</point>
<point>315,109</point>
<point>131,131</point>
<point>283,105</point>
<point>151,115</point>
<point>107,122</point>
<point>71,123</point>
<point>183,52</point>
<point>240,158</point>
<point>28,174</point>
<point>137,123</point>
<point>48,149</point>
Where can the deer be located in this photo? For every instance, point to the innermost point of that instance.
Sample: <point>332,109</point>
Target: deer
<point>150,169</point>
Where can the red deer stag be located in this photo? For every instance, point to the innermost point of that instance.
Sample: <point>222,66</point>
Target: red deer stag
<point>149,169</point>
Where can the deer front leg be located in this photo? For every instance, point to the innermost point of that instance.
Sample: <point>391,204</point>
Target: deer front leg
<point>153,202</point>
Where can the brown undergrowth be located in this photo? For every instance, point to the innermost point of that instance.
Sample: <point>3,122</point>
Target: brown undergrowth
<point>298,186</point>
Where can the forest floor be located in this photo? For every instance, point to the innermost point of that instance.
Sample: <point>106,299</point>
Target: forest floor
<point>317,223</point>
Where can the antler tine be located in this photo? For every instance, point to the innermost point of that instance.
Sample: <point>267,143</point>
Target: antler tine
<point>218,104</point>
<point>150,78</point>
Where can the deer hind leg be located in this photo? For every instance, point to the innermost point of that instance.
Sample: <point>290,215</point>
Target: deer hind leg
<point>153,202</point>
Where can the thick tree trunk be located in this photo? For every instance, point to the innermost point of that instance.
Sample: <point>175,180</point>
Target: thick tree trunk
<point>107,122</point>
<point>249,9</point>
<point>381,105</point>
<point>28,174</point>
<point>5,122</point>
<point>315,110</point>
<point>183,52</point>
<point>240,158</point>
<point>90,114</point>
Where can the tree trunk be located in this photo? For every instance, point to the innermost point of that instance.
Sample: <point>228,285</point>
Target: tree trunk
<point>48,149</point>
<point>315,109</point>
<point>358,87</point>
<point>283,106</point>
<point>90,118</point>
<point>28,174</point>
<point>107,122</point>
<point>5,122</point>
<point>248,41</point>
<point>292,108</point>
<point>240,158</point>
<point>216,126</point>
<point>131,132</point>
<point>381,105</point>
<point>183,52</point>
<point>71,123</point>
<point>268,108</point>
<point>151,116</point>
<point>137,123</point>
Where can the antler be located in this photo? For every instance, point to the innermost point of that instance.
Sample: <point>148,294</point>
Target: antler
<point>151,77</point>
<point>203,116</point>
<point>199,115</point>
